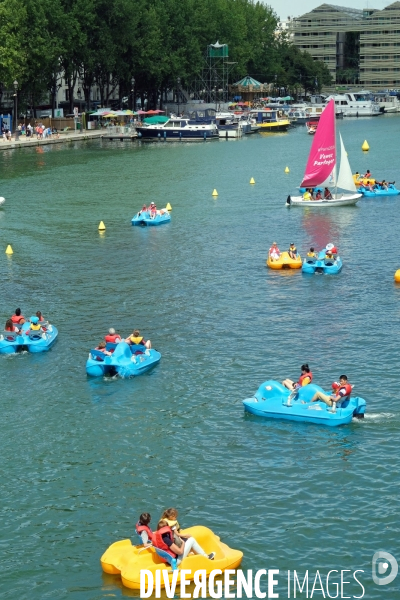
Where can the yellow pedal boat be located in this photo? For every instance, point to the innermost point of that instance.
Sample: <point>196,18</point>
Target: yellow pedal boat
<point>284,262</point>
<point>359,180</point>
<point>121,558</point>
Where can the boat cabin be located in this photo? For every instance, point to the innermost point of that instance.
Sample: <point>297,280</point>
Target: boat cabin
<point>203,116</point>
<point>266,116</point>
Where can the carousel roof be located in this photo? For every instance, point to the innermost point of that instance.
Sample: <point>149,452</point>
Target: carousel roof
<point>247,81</point>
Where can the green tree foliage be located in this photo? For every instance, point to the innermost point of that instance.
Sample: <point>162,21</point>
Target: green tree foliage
<point>107,42</point>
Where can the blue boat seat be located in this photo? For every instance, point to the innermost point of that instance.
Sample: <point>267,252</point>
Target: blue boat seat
<point>97,355</point>
<point>311,260</point>
<point>35,335</point>
<point>167,558</point>
<point>9,336</point>
<point>110,346</point>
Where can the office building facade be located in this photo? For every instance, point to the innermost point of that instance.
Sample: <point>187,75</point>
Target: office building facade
<point>358,46</point>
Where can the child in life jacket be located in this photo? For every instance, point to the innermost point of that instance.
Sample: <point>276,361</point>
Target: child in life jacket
<point>102,348</point>
<point>163,539</point>
<point>171,517</point>
<point>143,529</point>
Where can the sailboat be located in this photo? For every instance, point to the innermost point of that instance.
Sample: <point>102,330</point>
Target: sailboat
<point>321,167</point>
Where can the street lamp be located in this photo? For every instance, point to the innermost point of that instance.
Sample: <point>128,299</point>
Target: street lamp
<point>79,94</point>
<point>132,93</point>
<point>178,81</point>
<point>16,105</point>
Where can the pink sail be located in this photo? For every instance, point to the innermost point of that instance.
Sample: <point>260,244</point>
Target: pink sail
<point>322,158</point>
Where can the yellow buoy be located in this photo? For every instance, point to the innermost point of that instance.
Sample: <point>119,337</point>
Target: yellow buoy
<point>252,180</point>
<point>397,276</point>
<point>287,170</point>
<point>168,207</point>
<point>365,146</point>
<point>102,227</point>
<point>215,193</point>
<point>9,250</point>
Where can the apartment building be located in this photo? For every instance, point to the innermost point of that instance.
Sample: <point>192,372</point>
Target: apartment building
<point>358,46</point>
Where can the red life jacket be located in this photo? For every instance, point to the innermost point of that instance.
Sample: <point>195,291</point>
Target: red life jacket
<point>140,528</point>
<point>112,338</point>
<point>346,388</point>
<point>303,377</point>
<point>17,318</point>
<point>158,542</point>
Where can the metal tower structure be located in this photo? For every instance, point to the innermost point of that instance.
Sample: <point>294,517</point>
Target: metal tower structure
<point>212,84</point>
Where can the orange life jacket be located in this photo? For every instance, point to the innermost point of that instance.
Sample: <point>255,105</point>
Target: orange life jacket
<point>303,377</point>
<point>112,338</point>
<point>158,542</point>
<point>17,318</point>
<point>140,528</point>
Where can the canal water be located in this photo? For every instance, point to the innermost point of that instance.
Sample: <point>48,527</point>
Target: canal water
<point>82,458</point>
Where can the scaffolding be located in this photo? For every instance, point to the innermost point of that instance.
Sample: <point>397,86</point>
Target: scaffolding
<point>212,84</point>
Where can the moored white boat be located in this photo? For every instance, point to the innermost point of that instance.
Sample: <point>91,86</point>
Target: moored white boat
<point>357,104</point>
<point>321,168</point>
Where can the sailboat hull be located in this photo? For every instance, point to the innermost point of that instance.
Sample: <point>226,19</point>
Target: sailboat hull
<point>337,200</point>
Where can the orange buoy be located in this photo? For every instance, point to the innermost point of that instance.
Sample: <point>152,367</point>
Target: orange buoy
<point>397,276</point>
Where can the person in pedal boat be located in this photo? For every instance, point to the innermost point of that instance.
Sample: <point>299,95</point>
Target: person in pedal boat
<point>143,209</point>
<point>34,325</point>
<point>42,320</point>
<point>341,390</point>
<point>17,318</point>
<point>137,340</point>
<point>143,529</point>
<point>163,539</point>
<point>102,348</point>
<point>171,516</point>
<point>292,251</point>
<point>152,209</point>
<point>304,379</point>
<point>112,337</point>
<point>312,253</point>
<point>9,326</point>
<point>274,252</point>
<point>368,174</point>
<point>332,248</point>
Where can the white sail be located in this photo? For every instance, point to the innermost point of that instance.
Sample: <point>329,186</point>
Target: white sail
<point>345,180</point>
<point>330,181</point>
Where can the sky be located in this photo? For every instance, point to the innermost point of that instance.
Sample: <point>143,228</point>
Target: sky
<point>294,8</point>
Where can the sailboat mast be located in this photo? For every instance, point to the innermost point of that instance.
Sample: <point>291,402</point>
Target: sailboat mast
<point>334,127</point>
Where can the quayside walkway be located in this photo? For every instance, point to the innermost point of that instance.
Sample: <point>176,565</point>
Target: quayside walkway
<point>64,137</point>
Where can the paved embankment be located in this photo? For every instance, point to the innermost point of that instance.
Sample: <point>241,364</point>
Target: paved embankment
<point>24,142</point>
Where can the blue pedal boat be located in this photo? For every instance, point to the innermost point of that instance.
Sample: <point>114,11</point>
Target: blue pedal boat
<point>33,341</point>
<point>379,191</point>
<point>274,401</point>
<point>125,360</point>
<point>144,218</point>
<point>330,266</point>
